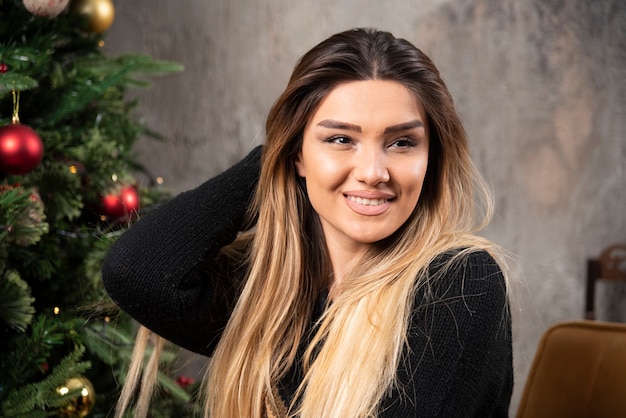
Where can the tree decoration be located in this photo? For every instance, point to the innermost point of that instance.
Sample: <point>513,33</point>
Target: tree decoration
<point>21,149</point>
<point>83,397</point>
<point>185,381</point>
<point>99,14</point>
<point>3,68</point>
<point>45,8</point>
<point>124,203</point>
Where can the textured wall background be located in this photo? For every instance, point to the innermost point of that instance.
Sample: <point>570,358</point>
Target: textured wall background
<point>540,85</point>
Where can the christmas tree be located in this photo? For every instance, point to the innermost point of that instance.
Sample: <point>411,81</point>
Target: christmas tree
<point>67,190</point>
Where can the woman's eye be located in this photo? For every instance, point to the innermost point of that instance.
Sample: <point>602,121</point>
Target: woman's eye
<point>339,139</point>
<point>404,143</point>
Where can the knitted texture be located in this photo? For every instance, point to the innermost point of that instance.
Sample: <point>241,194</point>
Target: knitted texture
<point>458,359</point>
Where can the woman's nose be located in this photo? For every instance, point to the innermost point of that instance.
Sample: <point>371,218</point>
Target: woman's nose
<point>370,166</point>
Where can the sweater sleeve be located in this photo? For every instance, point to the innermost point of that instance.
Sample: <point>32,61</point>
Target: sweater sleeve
<point>458,360</point>
<point>164,270</point>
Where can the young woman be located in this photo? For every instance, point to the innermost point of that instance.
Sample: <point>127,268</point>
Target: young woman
<point>336,271</point>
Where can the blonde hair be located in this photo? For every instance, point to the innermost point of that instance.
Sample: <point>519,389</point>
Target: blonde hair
<point>288,262</point>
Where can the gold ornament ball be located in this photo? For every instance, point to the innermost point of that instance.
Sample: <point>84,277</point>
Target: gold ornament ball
<point>81,404</point>
<point>99,13</point>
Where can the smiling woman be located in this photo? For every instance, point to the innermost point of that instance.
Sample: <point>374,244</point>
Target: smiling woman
<point>335,271</point>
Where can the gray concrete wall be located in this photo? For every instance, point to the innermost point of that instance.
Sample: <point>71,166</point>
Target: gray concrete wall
<point>540,85</point>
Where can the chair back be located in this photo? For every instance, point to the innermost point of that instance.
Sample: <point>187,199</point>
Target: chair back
<point>579,371</point>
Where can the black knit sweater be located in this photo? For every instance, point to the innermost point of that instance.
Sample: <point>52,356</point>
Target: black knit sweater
<point>166,273</point>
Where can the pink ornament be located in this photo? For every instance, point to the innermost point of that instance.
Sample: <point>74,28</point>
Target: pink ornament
<point>45,8</point>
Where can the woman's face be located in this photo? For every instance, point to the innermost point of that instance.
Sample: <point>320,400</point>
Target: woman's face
<point>364,157</point>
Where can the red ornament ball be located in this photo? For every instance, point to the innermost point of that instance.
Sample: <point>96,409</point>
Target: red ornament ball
<point>21,149</point>
<point>126,203</point>
<point>3,68</point>
<point>184,381</point>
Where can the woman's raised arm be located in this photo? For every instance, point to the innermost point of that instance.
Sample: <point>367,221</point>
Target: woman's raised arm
<point>165,271</point>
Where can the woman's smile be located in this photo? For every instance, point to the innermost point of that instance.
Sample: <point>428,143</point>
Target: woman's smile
<point>368,204</point>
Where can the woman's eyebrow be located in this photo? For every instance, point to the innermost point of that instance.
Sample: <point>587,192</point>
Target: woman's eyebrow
<point>405,126</point>
<point>335,124</point>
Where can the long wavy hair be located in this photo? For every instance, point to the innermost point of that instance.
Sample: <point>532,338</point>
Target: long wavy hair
<point>367,321</point>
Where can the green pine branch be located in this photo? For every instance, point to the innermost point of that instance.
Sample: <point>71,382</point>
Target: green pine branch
<point>16,82</point>
<point>43,395</point>
<point>25,354</point>
<point>92,76</point>
<point>59,189</point>
<point>16,302</point>
<point>22,218</point>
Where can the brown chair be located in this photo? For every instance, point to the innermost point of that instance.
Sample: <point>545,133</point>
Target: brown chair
<point>579,371</point>
<point>610,265</point>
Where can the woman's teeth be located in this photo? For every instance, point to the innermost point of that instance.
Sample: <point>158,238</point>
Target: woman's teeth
<point>367,202</point>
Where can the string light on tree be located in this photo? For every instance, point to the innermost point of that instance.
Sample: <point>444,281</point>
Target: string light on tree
<point>99,14</point>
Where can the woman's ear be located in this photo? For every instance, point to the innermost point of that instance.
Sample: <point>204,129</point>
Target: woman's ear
<point>299,165</point>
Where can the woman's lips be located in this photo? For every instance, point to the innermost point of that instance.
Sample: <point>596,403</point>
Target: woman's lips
<point>368,204</point>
